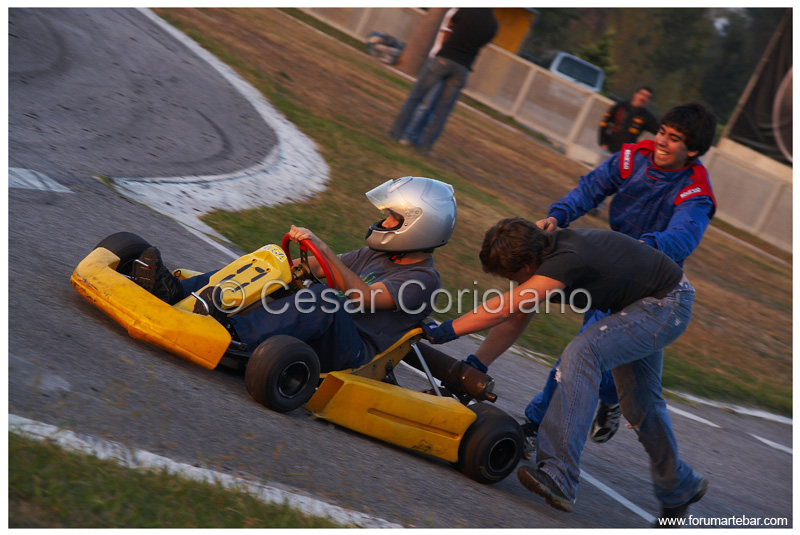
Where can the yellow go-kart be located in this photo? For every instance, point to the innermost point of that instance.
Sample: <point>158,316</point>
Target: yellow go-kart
<point>453,421</point>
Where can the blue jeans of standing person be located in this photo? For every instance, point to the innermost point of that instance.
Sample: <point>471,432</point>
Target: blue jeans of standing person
<point>630,343</point>
<point>437,70</point>
<point>608,390</point>
<point>422,116</point>
<point>332,334</point>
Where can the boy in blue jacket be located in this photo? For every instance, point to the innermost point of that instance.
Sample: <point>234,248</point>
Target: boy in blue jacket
<point>662,196</point>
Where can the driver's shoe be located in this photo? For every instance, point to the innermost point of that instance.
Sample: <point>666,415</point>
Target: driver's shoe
<point>206,305</point>
<point>149,273</point>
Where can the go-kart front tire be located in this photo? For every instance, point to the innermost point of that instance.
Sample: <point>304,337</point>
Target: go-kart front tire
<point>491,447</point>
<point>282,373</point>
<point>127,246</point>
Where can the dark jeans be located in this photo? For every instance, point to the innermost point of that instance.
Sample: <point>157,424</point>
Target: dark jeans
<point>332,334</point>
<point>435,71</point>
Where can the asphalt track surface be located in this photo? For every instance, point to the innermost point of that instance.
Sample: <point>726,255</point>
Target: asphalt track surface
<point>107,92</point>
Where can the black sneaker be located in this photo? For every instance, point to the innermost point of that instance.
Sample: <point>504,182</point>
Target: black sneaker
<point>542,484</point>
<point>207,305</point>
<point>605,423</point>
<point>529,432</point>
<point>670,516</point>
<point>149,273</point>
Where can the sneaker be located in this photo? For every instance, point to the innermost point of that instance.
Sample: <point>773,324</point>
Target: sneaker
<point>605,423</point>
<point>206,305</point>
<point>529,432</point>
<point>149,273</point>
<point>542,484</point>
<point>680,511</point>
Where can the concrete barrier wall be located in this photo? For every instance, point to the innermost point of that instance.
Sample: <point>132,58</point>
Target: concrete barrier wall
<point>753,192</point>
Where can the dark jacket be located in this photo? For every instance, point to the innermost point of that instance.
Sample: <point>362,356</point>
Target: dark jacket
<point>623,123</point>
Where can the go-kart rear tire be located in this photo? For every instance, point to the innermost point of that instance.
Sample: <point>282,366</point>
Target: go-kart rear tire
<point>491,447</point>
<point>127,246</point>
<point>282,373</point>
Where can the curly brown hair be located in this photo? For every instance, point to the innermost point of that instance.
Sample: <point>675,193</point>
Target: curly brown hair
<point>696,121</point>
<point>512,244</point>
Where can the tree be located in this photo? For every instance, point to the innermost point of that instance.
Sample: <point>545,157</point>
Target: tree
<point>683,53</point>
<point>727,75</point>
<point>599,53</point>
<point>551,30</point>
<point>679,56</point>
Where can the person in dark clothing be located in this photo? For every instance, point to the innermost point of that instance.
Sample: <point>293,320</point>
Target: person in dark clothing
<point>471,30</point>
<point>649,300</point>
<point>625,121</point>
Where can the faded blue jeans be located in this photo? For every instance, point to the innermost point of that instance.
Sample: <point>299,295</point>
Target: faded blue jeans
<point>608,390</point>
<point>435,71</point>
<point>422,115</point>
<point>630,343</point>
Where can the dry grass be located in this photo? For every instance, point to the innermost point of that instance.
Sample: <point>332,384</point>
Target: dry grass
<point>738,346</point>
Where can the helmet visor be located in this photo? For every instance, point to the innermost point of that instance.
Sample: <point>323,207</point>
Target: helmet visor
<point>387,195</point>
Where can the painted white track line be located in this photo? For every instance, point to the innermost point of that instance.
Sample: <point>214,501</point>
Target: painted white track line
<point>619,498</point>
<point>140,459</point>
<point>772,444</point>
<point>691,416</point>
<point>764,415</point>
<point>22,178</point>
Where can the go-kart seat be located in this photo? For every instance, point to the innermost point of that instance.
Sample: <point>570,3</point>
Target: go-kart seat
<point>382,363</point>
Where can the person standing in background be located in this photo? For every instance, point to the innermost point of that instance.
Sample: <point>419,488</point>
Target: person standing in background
<point>625,121</point>
<point>471,30</point>
<point>422,114</point>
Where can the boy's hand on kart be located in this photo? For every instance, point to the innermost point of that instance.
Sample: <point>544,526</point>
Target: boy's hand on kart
<point>548,224</point>
<point>439,334</point>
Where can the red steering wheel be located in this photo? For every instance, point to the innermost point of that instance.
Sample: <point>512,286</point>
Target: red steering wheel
<point>305,246</point>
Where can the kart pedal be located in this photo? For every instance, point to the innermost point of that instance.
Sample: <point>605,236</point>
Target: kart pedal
<point>390,377</point>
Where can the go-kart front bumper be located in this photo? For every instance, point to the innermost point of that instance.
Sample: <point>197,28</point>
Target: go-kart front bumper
<point>199,339</point>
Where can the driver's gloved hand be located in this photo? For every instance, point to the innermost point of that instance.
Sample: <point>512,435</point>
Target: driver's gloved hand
<point>439,334</point>
<point>473,362</point>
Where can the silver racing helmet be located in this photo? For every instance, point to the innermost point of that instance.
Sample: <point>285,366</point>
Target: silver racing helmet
<point>426,207</point>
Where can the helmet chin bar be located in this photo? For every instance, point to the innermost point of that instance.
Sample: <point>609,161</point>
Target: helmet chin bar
<point>378,225</point>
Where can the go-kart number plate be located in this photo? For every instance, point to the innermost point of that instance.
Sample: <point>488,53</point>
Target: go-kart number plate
<point>276,251</point>
<point>243,281</point>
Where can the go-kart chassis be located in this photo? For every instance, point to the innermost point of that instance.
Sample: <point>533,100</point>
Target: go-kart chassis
<point>358,399</point>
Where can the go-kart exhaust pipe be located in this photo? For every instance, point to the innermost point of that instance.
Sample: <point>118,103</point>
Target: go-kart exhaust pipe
<point>454,374</point>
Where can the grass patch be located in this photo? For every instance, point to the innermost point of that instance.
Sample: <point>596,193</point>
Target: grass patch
<point>324,28</point>
<point>49,487</point>
<point>739,344</point>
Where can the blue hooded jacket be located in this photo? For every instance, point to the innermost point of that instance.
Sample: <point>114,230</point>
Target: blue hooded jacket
<point>669,210</point>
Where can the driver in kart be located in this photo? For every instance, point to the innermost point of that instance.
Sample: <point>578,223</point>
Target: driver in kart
<point>386,288</point>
